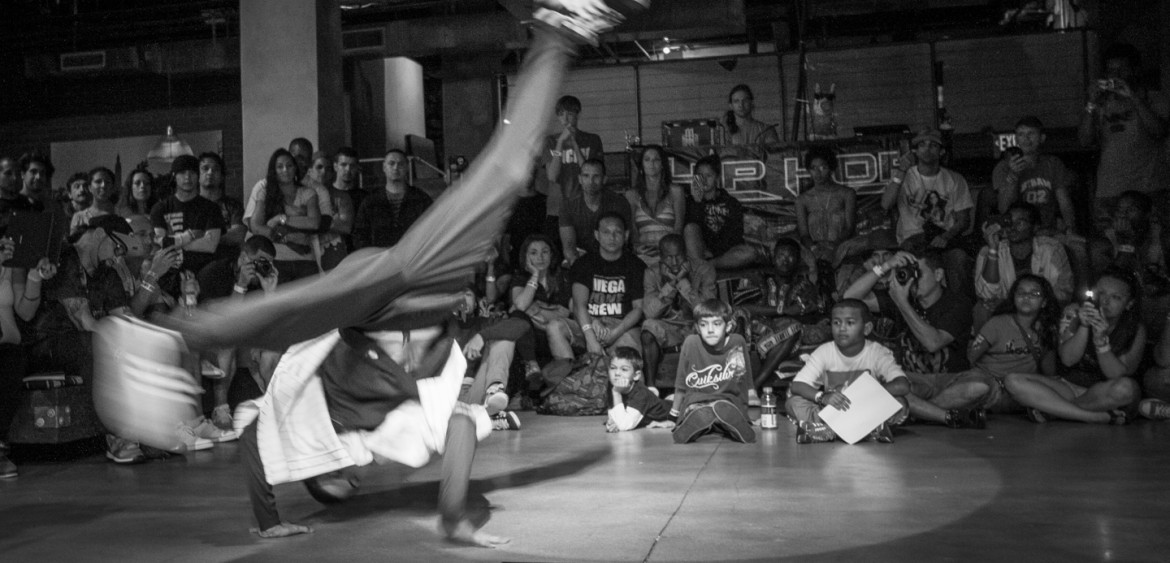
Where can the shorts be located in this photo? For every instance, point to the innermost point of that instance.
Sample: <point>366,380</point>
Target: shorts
<point>926,386</point>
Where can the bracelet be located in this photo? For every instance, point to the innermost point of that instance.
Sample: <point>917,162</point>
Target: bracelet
<point>817,398</point>
<point>283,219</point>
<point>147,286</point>
<point>879,270</point>
<point>150,276</point>
<point>587,326</point>
<point>491,279</point>
<point>239,289</point>
<point>1091,108</point>
<point>532,284</point>
<point>1104,349</point>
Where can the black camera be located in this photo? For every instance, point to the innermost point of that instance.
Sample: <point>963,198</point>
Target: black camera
<point>1013,151</point>
<point>263,267</point>
<point>907,274</point>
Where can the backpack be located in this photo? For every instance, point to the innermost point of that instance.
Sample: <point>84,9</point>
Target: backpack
<point>582,391</point>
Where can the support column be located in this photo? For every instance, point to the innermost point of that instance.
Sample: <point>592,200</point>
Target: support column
<point>290,78</point>
<point>404,106</point>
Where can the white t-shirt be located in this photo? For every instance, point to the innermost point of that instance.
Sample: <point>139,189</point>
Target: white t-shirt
<point>827,367</point>
<point>934,199</point>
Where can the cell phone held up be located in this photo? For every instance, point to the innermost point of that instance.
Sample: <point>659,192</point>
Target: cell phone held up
<point>1090,297</point>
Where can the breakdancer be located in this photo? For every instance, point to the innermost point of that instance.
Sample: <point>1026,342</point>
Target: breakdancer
<point>368,375</point>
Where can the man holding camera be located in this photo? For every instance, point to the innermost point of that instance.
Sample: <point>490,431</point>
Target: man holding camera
<point>935,327</point>
<point>252,270</point>
<point>1129,125</point>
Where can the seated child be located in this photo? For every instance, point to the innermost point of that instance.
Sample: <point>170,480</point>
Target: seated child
<point>834,365</point>
<point>711,385</point>
<point>631,404</point>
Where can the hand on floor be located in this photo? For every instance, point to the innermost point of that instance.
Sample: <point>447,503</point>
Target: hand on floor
<point>282,530</point>
<point>464,532</point>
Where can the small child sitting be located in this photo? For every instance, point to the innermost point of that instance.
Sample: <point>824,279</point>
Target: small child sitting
<point>711,385</point>
<point>631,404</point>
<point>834,365</point>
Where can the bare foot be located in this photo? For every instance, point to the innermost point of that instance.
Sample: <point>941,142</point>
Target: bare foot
<point>282,530</point>
<point>465,533</point>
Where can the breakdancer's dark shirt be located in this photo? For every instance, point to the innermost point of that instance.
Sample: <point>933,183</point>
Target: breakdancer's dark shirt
<point>362,384</point>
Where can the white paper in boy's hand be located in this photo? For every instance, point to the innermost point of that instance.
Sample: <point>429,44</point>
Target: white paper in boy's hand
<point>869,406</point>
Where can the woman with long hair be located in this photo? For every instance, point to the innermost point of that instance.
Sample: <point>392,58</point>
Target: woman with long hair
<point>138,194</point>
<point>1102,343</point>
<point>657,204</point>
<point>287,213</point>
<point>541,291</point>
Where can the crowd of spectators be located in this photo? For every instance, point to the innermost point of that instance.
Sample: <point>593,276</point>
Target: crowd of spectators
<point>1028,312</point>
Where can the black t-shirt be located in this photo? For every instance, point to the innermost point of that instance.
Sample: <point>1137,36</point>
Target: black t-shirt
<point>218,280</point>
<point>721,221</point>
<point>103,290</point>
<point>613,286</point>
<point>641,399</point>
<point>951,313</point>
<point>18,204</point>
<point>560,289</point>
<point>177,216</point>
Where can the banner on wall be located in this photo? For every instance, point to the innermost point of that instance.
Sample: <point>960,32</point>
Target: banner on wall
<point>767,179</point>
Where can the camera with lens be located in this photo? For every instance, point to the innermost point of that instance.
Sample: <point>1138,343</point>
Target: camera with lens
<point>906,274</point>
<point>263,267</point>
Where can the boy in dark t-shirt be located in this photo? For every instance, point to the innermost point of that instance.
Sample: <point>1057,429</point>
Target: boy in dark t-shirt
<point>711,385</point>
<point>630,403</point>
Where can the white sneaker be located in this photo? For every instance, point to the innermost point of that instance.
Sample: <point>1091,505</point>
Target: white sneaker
<point>495,399</point>
<point>208,430</point>
<point>581,27</point>
<point>210,371</point>
<point>188,441</point>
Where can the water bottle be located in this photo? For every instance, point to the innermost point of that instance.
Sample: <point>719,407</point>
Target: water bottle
<point>772,297</point>
<point>768,409</point>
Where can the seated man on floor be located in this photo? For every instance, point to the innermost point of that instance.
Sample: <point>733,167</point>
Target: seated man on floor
<point>714,220</point>
<point>1013,249</point>
<point>713,378</point>
<point>834,365</point>
<point>631,404</point>
<point>673,288</point>
<point>608,290</point>
<point>789,310</point>
<point>253,270</point>
<point>935,324</point>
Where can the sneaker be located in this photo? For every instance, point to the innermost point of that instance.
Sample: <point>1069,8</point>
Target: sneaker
<point>532,373</point>
<point>1154,409</point>
<point>7,468</point>
<point>495,399</point>
<point>814,432</point>
<point>208,430</point>
<point>221,417</point>
<point>882,434</point>
<point>123,451</point>
<point>580,28</point>
<point>506,420</point>
<point>694,423</point>
<point>1035,415</point>
<point>753,398</point>
<point>733,422</point>
<point>210,371</point>
<point>967,418</point>
<point>189,442</point>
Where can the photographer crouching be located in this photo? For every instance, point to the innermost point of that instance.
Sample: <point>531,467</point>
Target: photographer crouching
<point>234,278</point>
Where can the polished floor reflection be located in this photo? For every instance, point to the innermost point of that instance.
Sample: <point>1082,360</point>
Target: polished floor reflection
<point>563,489</point>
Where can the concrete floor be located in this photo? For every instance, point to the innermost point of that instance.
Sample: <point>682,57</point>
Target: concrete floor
<point>563,489</point>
